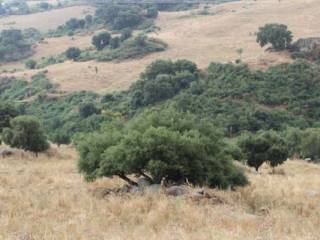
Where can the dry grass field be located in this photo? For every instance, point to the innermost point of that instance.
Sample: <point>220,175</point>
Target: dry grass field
<point>45,198</point>
<point>202,39</point>
<point>44,20</point>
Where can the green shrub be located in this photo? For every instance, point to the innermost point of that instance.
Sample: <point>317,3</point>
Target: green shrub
<point>73,53</point>
<point>263,147</point>
<point>101,40</point>
<point>167,145</point>
<point>26,133</point>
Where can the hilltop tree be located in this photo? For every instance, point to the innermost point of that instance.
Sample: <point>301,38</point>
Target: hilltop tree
<point>101,40</point>
<point>25,132</point>
<point>277,35</point>
<point>73,53</point>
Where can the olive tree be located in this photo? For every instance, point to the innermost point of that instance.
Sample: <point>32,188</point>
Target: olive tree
<point>265,146</point>
<point>277,35</point>
<point>169,145</point>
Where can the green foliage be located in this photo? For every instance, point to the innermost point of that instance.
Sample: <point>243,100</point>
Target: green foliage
<point>304,143</point>
<point>26,133</point>
<point>88,109</point>
<point>13,45</point>
<point>115,42</point>
<point>170,145</point>
<point>152,12</point>
<point>73,53</point>
<point>60,138</point>
<point>7,112</point>
<point>125,34</point>
<point>31,64</point>
<point>119,16</point>
<point>162,80</point>
<point>276,34</point>
<point>263,147</point>
<point>101,40</point>
<point>132,48</point>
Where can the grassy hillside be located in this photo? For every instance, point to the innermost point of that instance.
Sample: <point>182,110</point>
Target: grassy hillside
<point>45,198</point>
<point>190,35</point>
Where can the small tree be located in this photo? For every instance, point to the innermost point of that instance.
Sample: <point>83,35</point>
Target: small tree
<point>26,133</point>
<point>263,147</point>
<point>73,53</point>
<point>31,64</point>
<point>101,40</point>
<point>276,34</point>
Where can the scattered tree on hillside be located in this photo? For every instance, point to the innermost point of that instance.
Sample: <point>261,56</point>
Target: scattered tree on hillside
<point>73,53</point>
<point>263,147</point>
<point>26,133</point>
<point>101,40</point>
<point>277,35</point>
<point>31,64</point>
<point>174,146</point>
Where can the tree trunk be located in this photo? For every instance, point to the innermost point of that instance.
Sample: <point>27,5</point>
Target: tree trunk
<point>128,180</point>
<point>150,180</point>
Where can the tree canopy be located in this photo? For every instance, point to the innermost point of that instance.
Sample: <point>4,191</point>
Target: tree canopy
<point>174,146</point>
<point>277,35</point>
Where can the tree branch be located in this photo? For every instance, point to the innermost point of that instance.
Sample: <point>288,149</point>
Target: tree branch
<point>128,180</point>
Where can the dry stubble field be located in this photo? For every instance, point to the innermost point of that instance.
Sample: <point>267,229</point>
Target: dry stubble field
<point>46,198</point>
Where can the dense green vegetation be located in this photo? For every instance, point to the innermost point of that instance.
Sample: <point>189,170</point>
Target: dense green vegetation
<point>26,133</point>
<point>267,116</point>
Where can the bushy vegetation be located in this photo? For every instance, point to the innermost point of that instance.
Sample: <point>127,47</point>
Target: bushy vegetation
<point>277,35</point>
<point>121,16</point>
<point>26,133</point>
<point>136,47</point>
<point>169,145</point>
<point>14,45</point>
<point>263,147</point>
<point>74,26</point>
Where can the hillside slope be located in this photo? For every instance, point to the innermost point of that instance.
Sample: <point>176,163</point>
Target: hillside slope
<point>199,38</point>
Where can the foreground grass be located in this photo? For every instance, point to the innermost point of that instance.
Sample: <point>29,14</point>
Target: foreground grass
<point>46,198</point>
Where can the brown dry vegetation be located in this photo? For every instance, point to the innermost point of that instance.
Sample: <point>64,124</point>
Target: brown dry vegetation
<point>44,20</point>
<point>202,39</point>
<point>45,198</point>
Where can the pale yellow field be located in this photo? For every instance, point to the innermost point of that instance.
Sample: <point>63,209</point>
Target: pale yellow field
<point>45,198</point>
<point>44,20</point>
<point>202,39</point>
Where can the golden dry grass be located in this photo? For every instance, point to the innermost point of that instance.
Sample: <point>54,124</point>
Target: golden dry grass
<point>46,198</point>
<point>201,39</point>
<point>44,20</point>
